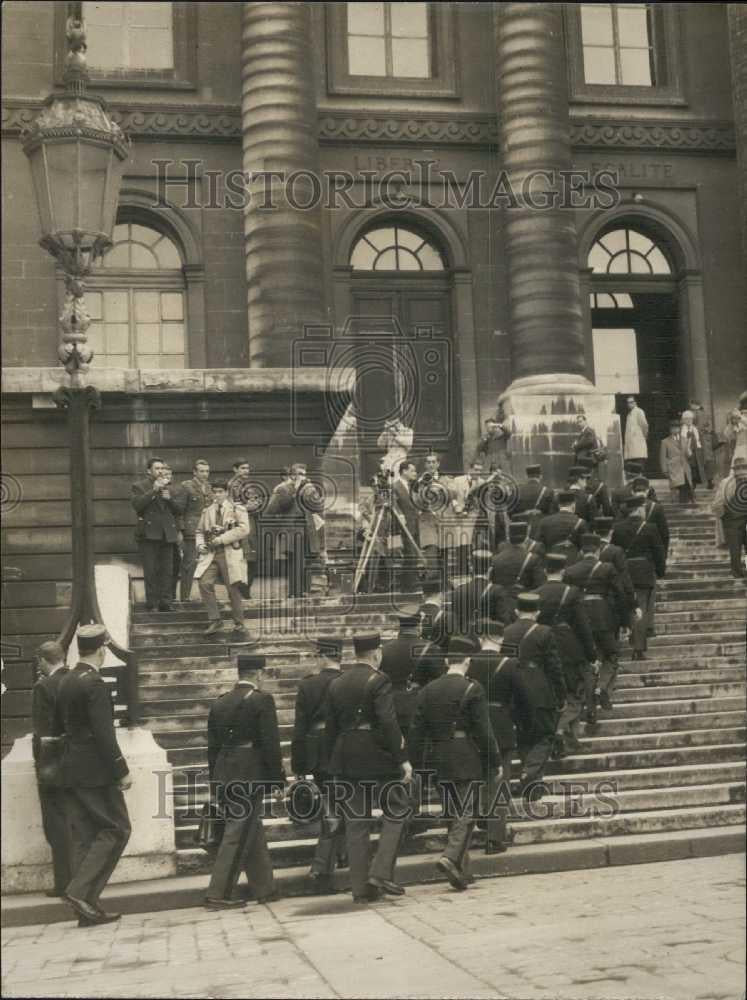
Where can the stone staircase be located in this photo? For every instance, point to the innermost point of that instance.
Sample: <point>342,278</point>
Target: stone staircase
<point>668,758</point>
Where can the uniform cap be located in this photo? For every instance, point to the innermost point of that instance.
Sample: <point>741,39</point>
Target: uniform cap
<point>632,502</point>
<point>367,641</point>
<point>528,601</point>
<point>590,542</point>
<point>565,497</point>
<point>640,483</point>
<point>91,638</point>
<point>517,531</point>
<point>533,470</point>
<point>330,645</point>
<point>248,664</point>
<point>603,523</point>
<point>461,646</point>
<point>556,560</point>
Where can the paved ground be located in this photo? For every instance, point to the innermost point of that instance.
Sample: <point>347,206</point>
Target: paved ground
<point>674,929</point>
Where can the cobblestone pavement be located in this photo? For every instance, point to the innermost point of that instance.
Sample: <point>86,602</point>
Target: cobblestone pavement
<point>674,929</point>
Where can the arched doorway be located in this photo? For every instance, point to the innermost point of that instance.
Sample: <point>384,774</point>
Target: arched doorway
<point>401,317</point>
<point>637,323</point>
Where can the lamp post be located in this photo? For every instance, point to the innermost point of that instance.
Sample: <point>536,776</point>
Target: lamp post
<point>77,156</point>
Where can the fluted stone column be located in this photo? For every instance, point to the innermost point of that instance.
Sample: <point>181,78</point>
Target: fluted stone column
<point>283,244</point>
<point>547,317</point>
<point>738,45</point>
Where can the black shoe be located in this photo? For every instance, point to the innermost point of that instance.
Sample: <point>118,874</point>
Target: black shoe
<point>604,701</point>
<point>573,744</point>
<point>271,897</point>
<point>83,908</point>
<point>322,884</point>
<point>214,627</point>
<point>386,885</point>
<point>224,904</point>
<point>370,895</point>
<point>457,879</point>
<point>495,847</point>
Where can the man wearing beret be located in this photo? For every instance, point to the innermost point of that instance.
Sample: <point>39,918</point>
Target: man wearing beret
<point>310,753</point>
<point>562,531</point>
<point>646,562</point>
<point>514,567</point>
<point>543,690</point>
<point>96,776</point>
<point>452,718</point>
<point>245,763</point>
<point>368,746</point>
<point>603,594</point>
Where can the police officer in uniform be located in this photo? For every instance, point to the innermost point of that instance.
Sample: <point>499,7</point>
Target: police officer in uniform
<point>515,568</point>
<point>543,691</point>
<point>562,531</point>
<point>603,595</point>
<point>245,763</point>
<point>310,754</point>
<point>578,482</point>
<point>478,598</point>
<point>562,609</point>
<point>653,510</point>
<point>367,745</point>
<point>596,488</point>
<point>96,776</point>
<point>535,499</point>
<point>399,658</point>
<point>646,562</point>
<point>614,554</point>
<point>452,716</point>
<point>46,745</point>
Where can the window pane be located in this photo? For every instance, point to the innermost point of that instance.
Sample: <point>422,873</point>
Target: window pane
<point>96,338</point>
<point>624,301</point>
<point>409,20</point>
<point>172,305</point>
<point>596,24</point>
<point>408,261</point>
<point>167,254</point>
<point>121,233</point>
<point>151,48</point>
<point>605,301</point>
<point>142,257</point>
<point>639,265</point>
<point>410,58</point>
<point>599,65</point>
<point>614,241</point>
<point>144,234</point>
<point>117,338</point>
<point>118,256</point>
<point>636,67</point>
<point>381,238</point>
<point>147,307</point>
<point>387,261</point>
<point>362,257</point>
<point>408,239</point>
<point>598,259</point>
<point>93,304</point>
<point>148,338</point>
<point>632,25</point>
<point>150,15</point>
<point>430,259</point>
<point>105,47</point>
<point>115,361</point>
<point>149,361</point>
<point>619,264</point>
<point>173,361</point>
<point>366,18</point>
<point>172,341</point>
<point>366,56</point>
<point>639,242</point>
<point>103,13</point>
<point>116,307</point>
<point>659,263</point>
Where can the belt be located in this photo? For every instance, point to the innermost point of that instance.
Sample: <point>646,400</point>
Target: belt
<point>365,726</point>
<point>496,704</point>
<point>249,745</point>
<point>460,734</point>
<point>593,597</point>
<point>318,726</point>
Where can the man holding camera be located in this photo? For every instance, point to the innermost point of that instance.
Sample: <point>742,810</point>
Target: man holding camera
<point>294,517</point>
<point>156,532</point>
<point>220,531</point>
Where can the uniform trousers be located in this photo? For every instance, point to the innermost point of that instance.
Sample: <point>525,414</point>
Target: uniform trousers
<point>243,848</point>
<point>641,628</point>
<point>295,565</point>
<point>331,843</point>
<point>157,556</point>
<point>735,534</point>
<point>189,564</point>
<point>357,836</point>
<point>579,692</point>
<point>496,800</point>
<point>536,744</point>
<point>460,808</point>
<point>215,571</point>
<point>100,829</point>
<point>408,568</point>
<point>56,826</point>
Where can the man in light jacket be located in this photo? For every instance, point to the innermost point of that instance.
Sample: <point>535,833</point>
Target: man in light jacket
<point>675,464</point>
<point>220,531</point>
<point>636,432</point>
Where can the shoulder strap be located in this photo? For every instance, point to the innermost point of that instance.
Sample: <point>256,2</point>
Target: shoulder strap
<point>541,496</point>
<point>596,566</point>
<point>600,486</point>
<point>563,599</point>
<point>524,564</point>
<point>527,634</point>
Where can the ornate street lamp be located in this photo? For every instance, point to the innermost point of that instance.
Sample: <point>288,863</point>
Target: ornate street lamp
<point>77,156</point>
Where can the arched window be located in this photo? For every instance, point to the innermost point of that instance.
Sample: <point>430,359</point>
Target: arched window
<point>626,251</point>
<point>610,300</point>
<point>394,248</point>
<point>136,301</point>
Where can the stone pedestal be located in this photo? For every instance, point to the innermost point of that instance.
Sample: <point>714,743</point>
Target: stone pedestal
<point>151,851</point>
<point>542,411</point>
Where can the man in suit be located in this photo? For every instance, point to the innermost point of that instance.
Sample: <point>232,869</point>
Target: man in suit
<point>646,562</point>
<point>514,568</point>
<point>310,754</point>
<point>46,745</point>
<point>479,598</point>
<point>603,593</point>
<point>674,459</point>
<point>193,496</point>
<point>562,610</point>
<point>297,525</point>
<point>156,533</point>
<point>543,691</point>
<point>562,531</point>
<point>467,510</point>
<point>498,676</point>
<point>221,528</point>
<point>367,746</point>
<point>96,776</point>
<point>245,763</point>
<point>402,499</point>
<point>452,718</point>
<point>433,494</point>
<point>586,442</point>
<point>245,493</point>
<point>176,549</point>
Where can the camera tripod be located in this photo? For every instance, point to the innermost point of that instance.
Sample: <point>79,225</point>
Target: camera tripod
<point>374,537</point>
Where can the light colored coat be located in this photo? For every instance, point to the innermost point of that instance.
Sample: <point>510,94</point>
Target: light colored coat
<point>235,558</point>
<point>398,442</point>
<point>673,462</point>
<point>636,432</point>
<point>437,526</point>
<point>464,525</point>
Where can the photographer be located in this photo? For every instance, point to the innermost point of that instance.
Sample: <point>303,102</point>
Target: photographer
<point>223,525</point>
<point>434,495</point>
<point>297,526</point>
<point>397,439</point>
<point>156,532</point>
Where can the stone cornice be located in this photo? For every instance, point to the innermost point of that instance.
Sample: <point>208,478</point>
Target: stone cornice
<point>222,123</point>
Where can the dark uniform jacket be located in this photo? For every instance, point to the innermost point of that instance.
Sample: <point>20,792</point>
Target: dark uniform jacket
<point>435,620</point>
<point>431,663</point>
<point>655,515</point>
<point>614,554</point>
<point>534,647</point>
<point>362,728</point>
<point>452,713</point>
<point>623,493</point>
<point>156,516</point>
<point>287,519</point>
<point>92,757</point>
<point>644,551</point>
<point>561,528</point>
<point>478,598</point>
<point>46,719</point>
<point>604,597</point>
<point>309,750</point>
<point>585,507</point>
<point>243,740</point>
<point>399,658</point>
<point>191,501</point>
<point>562,609</point>
<point>515,569</point>
<point>533,496</point>
<point>498,677</point>
<point>601,497</point>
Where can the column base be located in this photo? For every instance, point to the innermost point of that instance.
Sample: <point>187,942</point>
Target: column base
<point>542,412</point>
